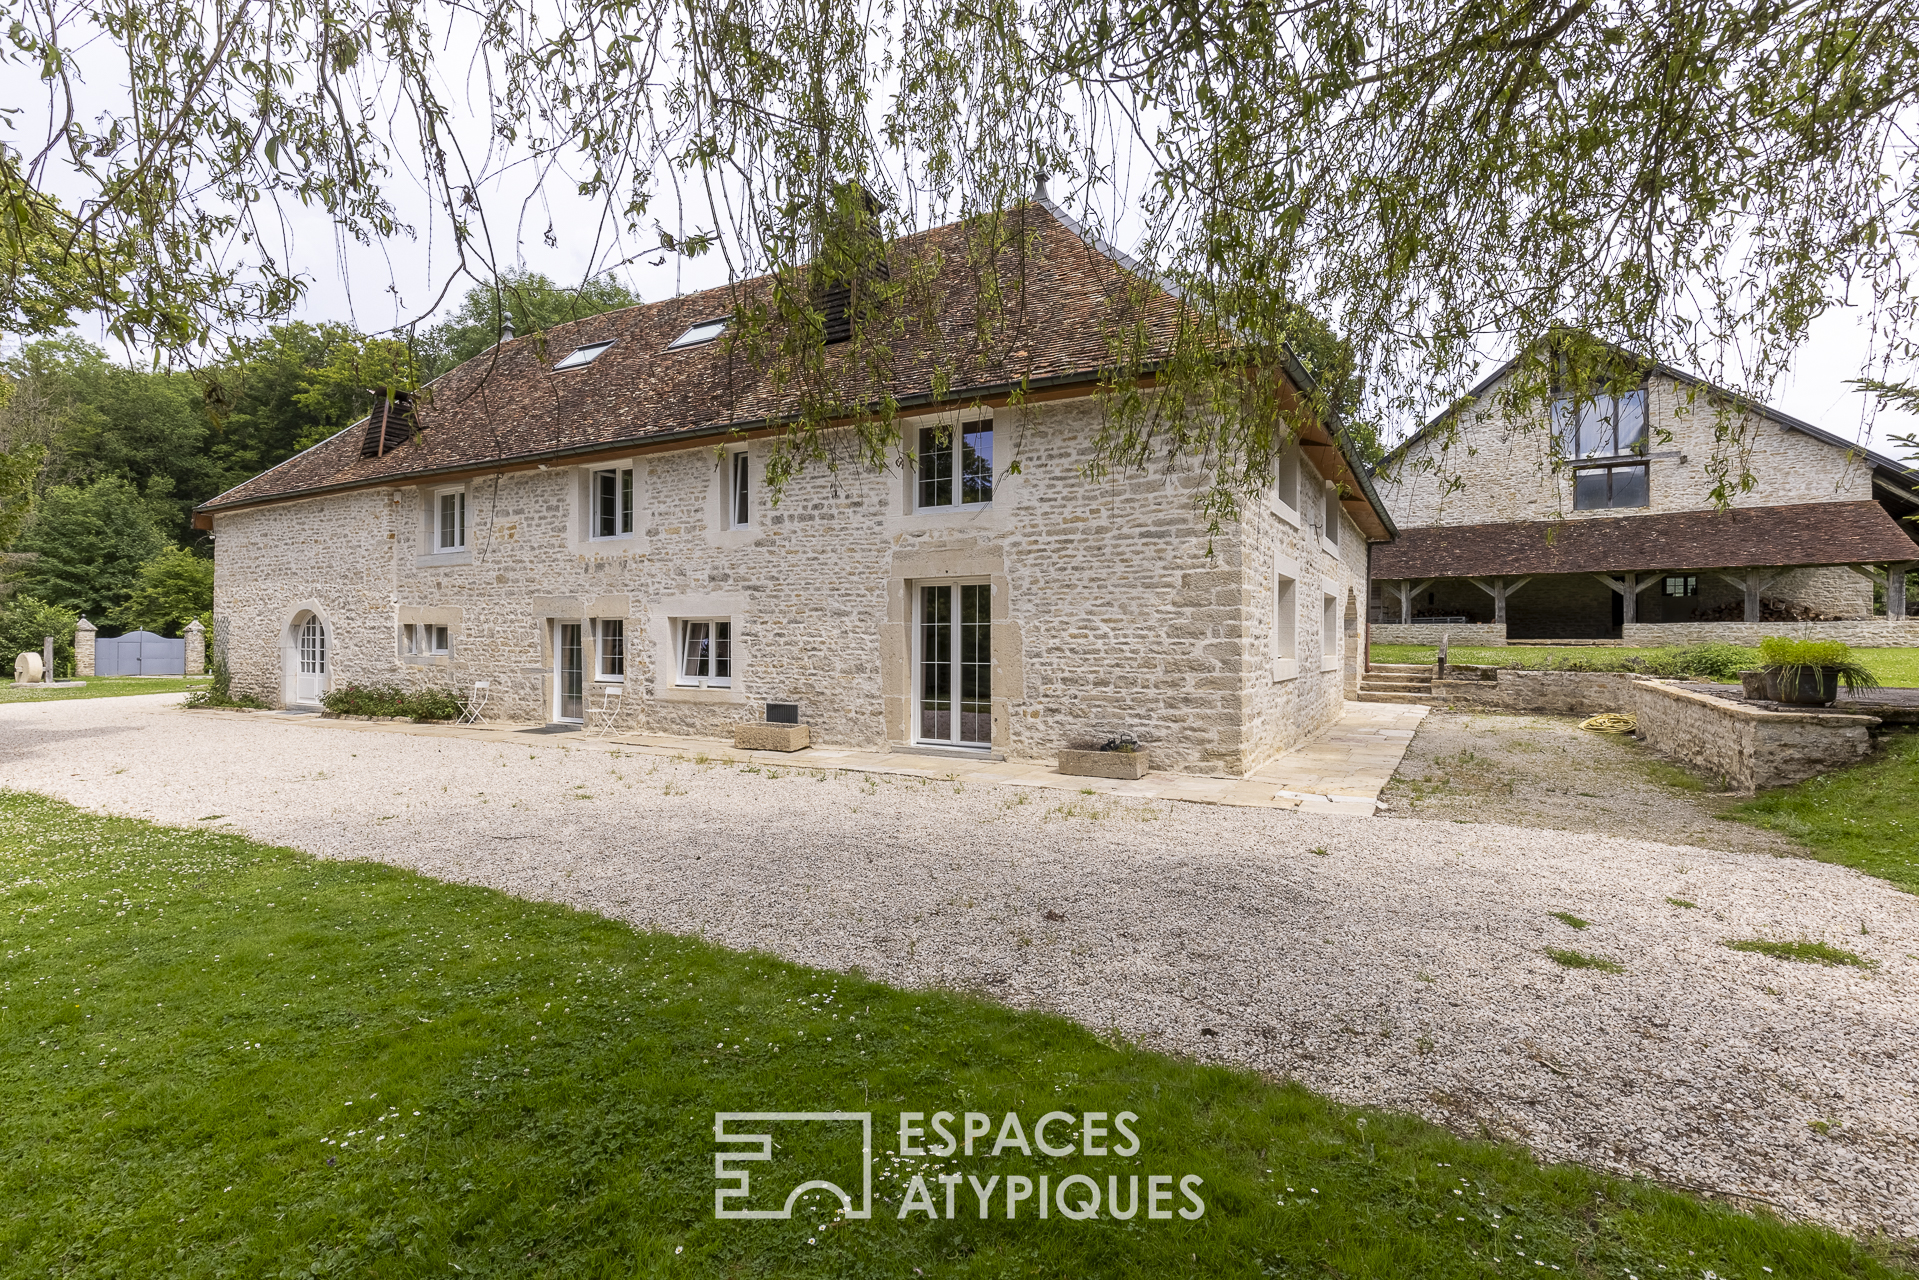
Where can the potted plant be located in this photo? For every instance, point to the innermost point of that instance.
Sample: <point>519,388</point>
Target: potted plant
<point>1119,757</point>
<point>1806,673</point>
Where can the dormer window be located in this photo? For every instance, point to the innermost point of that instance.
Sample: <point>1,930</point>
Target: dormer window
<point>704,331</point>
<point>583,356</point>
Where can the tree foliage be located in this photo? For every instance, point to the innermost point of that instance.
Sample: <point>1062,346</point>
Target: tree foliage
<point>173,589</point>
<point>1696,183</point>
<point>87,545</point>
<point>530,303</point>
<point>25,624</point>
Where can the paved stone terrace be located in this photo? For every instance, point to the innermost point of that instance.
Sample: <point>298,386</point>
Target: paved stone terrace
<point>1339,771</point>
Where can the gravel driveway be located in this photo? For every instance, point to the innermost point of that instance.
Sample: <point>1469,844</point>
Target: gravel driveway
<point>1398,963</point>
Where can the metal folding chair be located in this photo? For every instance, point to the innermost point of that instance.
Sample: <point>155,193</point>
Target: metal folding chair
<point>473,703</point>
<point>608,711</point>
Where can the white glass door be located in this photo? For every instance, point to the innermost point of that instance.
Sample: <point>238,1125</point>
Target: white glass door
<point>310,681</point>
<point>953,665</point>
<point>570,673</point>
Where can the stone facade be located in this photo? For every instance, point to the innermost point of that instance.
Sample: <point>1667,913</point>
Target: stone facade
<point>1475,634</point>
<point>1865,633</point>
<point>1747,747</point>
<point>1506,471</point>
<point>1112,611</point>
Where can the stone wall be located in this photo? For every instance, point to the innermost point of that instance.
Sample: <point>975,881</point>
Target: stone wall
<point>1520,692</point>
<point>1475,634</point>
<point>1747,747</point>
<point>1872,633</point>
<point>1110,615</point>
<point>1288,698</point>
<point>1507,473</point>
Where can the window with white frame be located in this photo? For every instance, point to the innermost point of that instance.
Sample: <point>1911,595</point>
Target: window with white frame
<point>610,637</point>
<point>612,515</point>
<point>1329,638</point>
<point>1285,618</point>
<point>705,653</point>
<point>737,510</point>
<point>425,638</point>
<point>955,466</point>
<point>449,520</point>
<point>1286,484</point>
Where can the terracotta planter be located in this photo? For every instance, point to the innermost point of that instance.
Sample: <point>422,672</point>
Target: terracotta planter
<point>1808,687</point>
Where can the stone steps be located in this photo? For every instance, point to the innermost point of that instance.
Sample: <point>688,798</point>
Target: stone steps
<point>1420,698</point>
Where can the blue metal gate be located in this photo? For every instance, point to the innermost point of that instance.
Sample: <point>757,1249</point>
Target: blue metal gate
<point>139,653</point>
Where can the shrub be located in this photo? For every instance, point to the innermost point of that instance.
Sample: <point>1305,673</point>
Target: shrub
<point>26,622</point>
<point>390,700</point>
<point>433,704</point>
<point>1789,657</point>
<point>220,692</point>
<point>1712,661</point>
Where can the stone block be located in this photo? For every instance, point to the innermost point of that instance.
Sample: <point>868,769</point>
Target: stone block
<point>1104,764</point>
<point>772,737</point>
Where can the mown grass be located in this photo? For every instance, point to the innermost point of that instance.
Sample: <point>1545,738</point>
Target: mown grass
<point>220,1058</point>
<point>1897,668</point>
<point>1865,817</point>
<point>104,687</point>
<point>1803,951</point>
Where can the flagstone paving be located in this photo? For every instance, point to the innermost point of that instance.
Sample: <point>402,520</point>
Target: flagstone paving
<point>1340,770</point>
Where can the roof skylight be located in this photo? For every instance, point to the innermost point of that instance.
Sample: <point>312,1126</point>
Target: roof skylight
<point>583,356</point>
<point>704,331</point>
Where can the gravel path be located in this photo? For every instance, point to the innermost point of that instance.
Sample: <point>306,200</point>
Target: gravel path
<point>1545,771</point>
<point>1398,963</point>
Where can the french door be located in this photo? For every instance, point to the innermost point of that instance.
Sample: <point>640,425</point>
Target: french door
<point>309,682</point>
<point>570,671</point>
<point>953,665</point>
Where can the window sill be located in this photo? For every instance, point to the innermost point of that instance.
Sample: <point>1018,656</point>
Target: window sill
<point>1330,548</point>
<point>693,693</point>
<point>1328,668</point>
<point>440,559</point>
<point>610,682</point>
<point>1284,512</point>
<point>1285,669</point>
<point>426,659</point>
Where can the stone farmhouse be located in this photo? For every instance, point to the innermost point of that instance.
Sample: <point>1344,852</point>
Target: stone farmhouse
<point>582,521</point>
<point>1594,519</point>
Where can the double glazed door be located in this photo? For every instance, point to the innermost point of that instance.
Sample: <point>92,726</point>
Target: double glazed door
<point>953,665</point>
<point>309,681</point>
<point>570,671</point>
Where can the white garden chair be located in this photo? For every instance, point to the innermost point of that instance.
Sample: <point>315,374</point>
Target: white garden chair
<point>607,711</point>
<point>472,704</point>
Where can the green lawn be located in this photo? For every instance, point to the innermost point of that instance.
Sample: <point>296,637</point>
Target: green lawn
<point>1896,667</point>
<point>1866,817</point>
<point>105,687</point>
<point>220,1058</point>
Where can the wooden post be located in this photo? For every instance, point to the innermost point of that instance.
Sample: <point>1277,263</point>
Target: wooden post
<point>1752,595</point>
<point>1445,641</point>
<point>1629,605</point>
<point>47,651</point>
<point>1896,588</point>
<point>1406,602</point>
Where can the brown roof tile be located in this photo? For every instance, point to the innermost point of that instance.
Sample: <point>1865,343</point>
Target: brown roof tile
<point>1816,533</point>
<point>514,405</point>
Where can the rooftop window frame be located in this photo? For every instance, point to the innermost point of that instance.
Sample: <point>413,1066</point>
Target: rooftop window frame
<point>583,355</point>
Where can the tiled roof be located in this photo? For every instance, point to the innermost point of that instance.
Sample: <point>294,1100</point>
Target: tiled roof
<point>1818,533</point>
<point>510,404</point>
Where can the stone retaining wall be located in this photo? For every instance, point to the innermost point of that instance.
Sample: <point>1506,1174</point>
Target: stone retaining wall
<point>1866,633</point>
<point>1747,747</point>
<point>1519,692</point>
<point>1476,634</point>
